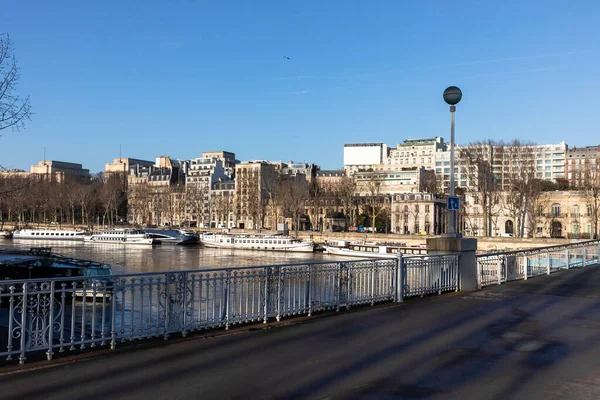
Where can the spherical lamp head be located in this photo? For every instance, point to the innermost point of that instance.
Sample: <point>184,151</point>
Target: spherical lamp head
<point>452,95</point>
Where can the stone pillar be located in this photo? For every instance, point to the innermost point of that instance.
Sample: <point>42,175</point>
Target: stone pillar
<point>466,247</point>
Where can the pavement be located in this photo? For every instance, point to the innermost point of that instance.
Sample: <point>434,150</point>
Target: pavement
<point>534,339</point>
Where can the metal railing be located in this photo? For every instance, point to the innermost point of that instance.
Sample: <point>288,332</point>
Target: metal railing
<point>63,314</point>
<point>497,268</point>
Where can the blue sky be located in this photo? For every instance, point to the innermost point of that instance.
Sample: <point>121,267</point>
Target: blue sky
<point>181,77</point>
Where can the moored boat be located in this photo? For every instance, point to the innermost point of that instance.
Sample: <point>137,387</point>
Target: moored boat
<point>245,241</point>
<point>121,236</point>
<point>5,235</point>
<point>172,236</point>
<point>49,234</point>
<point>369,250</point>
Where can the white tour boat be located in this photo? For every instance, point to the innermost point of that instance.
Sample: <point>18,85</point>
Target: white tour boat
<point>244,241</point>
<point>121,236</point>
<point>369,250</point>
<point>48,234</point>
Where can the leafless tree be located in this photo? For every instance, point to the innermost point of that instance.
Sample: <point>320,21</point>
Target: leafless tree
<point>476,162</point>
<point>373,197</point>
<point>14,110</point>
<point>345,192</point>
<point>591,191</point>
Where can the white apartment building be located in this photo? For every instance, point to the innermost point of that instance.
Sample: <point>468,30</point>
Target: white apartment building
<point>415,153</point>
<point>547,159</point>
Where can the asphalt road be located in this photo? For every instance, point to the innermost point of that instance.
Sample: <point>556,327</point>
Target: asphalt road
<point>535,339</point>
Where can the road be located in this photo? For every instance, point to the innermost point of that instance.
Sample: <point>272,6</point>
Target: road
<point>535,339</point>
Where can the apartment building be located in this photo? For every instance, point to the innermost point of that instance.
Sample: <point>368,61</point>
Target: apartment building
<point>251,192</point>
<point>228,159</point>
<point>415,153</point>
<point>582,166</point>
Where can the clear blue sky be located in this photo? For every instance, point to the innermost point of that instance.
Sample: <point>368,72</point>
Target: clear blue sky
<point>181,77</point>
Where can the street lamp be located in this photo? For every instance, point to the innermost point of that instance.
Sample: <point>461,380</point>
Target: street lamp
<point>452,96</point>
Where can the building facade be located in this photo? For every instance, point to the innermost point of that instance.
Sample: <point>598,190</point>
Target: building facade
<point>415,153</point>
<point>59,171</point>
<point>227,158</point>
<point>582,166</point>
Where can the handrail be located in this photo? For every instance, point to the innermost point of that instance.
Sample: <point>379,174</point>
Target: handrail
<point>537,249</point>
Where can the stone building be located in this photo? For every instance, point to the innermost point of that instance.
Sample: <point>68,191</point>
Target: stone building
<point>121,165</point>
<point>227,158</point>
<point>582,166</point>
<point>202,174</point>
<point>223,204</point>
<point>251,193</point>
<point>417,213</point>
<point>58,171</point>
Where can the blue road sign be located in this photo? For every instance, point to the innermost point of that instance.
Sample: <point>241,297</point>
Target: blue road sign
<point>453,203</point>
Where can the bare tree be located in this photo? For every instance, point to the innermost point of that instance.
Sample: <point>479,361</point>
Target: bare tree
<point>591,193</point>
<point>476,162</point>
<point>14,110</point>
<point>345,192</point>
<point>374,199</point>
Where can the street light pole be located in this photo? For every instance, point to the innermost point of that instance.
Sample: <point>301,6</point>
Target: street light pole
<point>452,95</point>
<point>452,213</point>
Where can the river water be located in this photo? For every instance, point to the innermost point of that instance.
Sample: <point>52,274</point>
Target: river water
<point>135,259</point>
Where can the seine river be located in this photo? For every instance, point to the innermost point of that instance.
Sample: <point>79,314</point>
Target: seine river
<point>134,259</point>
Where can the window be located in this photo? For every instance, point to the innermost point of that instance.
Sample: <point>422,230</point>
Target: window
<point>427,208</point>
<point>556,210</point>
<point>576,211</point>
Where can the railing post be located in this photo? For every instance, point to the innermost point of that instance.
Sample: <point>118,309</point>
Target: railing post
<point>266,295</point>
<point>279,292</point>
<point>227,295</point>
<point>339,286</point>
<point>399,278</point>
<point>525,267</point>
<point>51,323</point>
<point>567,257</point>
<point>22,357</point>
<point>499,270</point>
<point>373,277</point>
<point>584,256</point>
<point>309,288</point>
<point>548,262</point>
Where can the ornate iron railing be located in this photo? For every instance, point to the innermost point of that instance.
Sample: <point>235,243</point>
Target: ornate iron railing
<point>76,313</point>
<point>497,268</point>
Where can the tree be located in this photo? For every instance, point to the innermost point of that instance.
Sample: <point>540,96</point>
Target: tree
<point>371,189</point>
<point>519,181</point>
<point>14,110</point>
<point>591,192</point>
<point>476,162</point>
<point>345,192</point>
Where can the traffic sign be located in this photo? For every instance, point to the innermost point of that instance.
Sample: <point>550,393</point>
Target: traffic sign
<point>453,203</point>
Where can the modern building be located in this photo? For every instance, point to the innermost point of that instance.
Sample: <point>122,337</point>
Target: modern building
<point>409,179</point>
<point>504,162</point>
<point>359,156</point>
<point>59,171</point>
<point>582,166</point>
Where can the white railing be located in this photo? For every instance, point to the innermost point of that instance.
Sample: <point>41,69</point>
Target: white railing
<point>76,313</point>
<point>497,268</point>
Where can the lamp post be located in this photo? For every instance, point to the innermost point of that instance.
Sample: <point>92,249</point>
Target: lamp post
<point>452,95</point>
